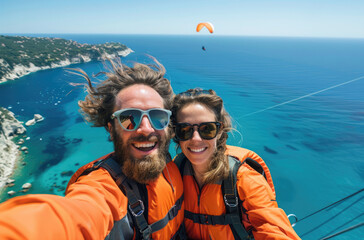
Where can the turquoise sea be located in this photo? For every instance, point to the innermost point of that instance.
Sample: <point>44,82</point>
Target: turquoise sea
<point>312,143</point>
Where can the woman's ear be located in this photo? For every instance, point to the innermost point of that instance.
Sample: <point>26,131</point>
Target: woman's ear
<point>110,127</point>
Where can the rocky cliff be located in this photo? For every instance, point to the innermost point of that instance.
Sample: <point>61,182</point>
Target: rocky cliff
<point>10,127</point>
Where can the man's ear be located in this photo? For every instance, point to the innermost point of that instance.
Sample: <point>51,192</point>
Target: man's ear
<point>110,127</point>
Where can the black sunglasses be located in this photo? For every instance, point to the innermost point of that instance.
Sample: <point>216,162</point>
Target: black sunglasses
<point>207,130</point>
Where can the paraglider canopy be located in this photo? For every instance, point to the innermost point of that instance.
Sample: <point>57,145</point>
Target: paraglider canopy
<point>207,25</point>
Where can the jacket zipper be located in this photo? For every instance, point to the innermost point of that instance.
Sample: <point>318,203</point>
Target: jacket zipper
<point>198,202</point>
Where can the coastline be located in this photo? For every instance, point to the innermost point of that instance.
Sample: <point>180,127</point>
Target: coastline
<point>20,70</point>
<point>12,131</point>
<point>10,128</point>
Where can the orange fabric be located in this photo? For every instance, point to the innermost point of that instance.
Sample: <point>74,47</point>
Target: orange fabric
<point>88,210</point>
<point>208,201</point>
<point>243,153</point>
<point>266,219</point>
<point>161,198</point>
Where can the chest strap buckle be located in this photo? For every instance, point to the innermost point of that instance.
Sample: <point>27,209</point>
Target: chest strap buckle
<point>230,201</point>
<point>137,208</point>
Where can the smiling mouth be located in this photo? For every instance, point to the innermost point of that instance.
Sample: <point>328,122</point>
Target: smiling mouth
<point>197,150</point>
<point>144,146</point>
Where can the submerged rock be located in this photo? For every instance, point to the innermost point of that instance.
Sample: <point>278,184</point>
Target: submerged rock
<point>267,149</point>
<point>66,173</point>
<point>291,147</point>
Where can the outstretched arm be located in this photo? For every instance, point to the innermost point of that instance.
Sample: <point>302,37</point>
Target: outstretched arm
<point>262,212</point>
<point>88,211</point>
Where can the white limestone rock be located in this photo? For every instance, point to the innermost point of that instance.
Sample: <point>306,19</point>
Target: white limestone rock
<point>9,151</point>
<point>30,122</point>
<point>26,186</point>
<point>11,193</point>
<point>24,148</point>
<point>38,117</point>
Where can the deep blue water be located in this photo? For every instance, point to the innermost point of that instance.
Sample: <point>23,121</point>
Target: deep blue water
<point>314,146</point>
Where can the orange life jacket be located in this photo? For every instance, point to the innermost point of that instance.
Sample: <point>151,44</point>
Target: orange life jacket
<point>216,212</point>
<point>244,154</point>
<point>154,210</point>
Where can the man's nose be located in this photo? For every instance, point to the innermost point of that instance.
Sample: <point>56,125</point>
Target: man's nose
<point>145,126</point>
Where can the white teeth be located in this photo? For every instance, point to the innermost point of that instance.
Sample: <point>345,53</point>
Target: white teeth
<point>144,145</point>
<point>197,150</point>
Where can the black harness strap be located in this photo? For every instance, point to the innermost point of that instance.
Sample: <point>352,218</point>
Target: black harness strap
<point>256,166</point>
<point>180,161</point>
<point>135,204</point>
<point>231,201</point>
<point>113,168</point>
<point>206,219</point>
<point>136,208</point>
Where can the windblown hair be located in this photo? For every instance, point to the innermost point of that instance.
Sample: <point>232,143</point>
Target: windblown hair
<point>99,104</point>
<point>219,164</point>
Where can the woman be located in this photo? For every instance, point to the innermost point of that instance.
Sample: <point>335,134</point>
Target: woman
<point>200,127</point>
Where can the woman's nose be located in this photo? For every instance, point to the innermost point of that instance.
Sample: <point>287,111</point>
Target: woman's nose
<point>196,136</point>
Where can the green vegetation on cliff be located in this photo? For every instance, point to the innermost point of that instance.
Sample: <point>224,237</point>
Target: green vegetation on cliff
<point>44,51</point>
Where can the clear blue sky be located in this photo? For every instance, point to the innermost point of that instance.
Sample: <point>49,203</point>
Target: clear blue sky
<point>307,18</point>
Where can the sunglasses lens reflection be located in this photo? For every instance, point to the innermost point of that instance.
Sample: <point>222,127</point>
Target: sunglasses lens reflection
<point>130,119</point>
<point>159,119</point>
<point>207,130</point>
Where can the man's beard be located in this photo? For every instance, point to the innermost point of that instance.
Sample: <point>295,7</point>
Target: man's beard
<point>142,170</point>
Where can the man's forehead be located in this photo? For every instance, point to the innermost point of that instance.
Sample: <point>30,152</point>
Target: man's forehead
<point>138,96</point>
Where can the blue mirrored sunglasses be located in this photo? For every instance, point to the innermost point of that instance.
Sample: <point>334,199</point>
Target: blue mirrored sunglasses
<point>130,118</point>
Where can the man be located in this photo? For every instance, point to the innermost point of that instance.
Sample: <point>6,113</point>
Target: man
<point>135,192</point>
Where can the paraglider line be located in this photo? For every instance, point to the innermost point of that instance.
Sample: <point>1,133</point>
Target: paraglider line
<point>343,231</point>
<point>351,195</point>
<point>332,218</point>
<point>307,95</point>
